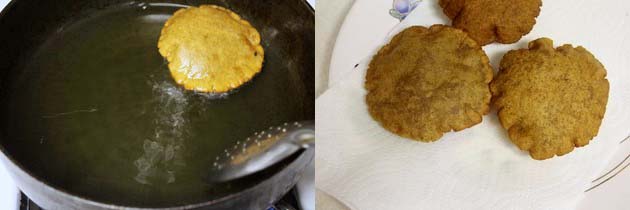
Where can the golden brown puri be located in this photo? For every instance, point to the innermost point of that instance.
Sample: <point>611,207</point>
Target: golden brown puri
<point>428,81</point>
<point>210,49</point>
<point>550,100</point>
<point>487,21</point>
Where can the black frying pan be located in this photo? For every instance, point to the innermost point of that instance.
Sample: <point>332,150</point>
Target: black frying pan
<point>92,119</point>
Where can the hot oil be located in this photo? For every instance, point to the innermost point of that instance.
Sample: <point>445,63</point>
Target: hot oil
<point>96,113</point>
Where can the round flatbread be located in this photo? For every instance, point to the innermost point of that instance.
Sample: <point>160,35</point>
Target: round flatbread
<point>210,49</point>
<point>428,81</point>
<point>487,21</point>
<point>550,100</point>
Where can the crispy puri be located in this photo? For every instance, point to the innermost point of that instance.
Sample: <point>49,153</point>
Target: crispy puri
<point>550,100</point>
<point>487,21</point>
<point>428,81</point>
<point>210,49</point>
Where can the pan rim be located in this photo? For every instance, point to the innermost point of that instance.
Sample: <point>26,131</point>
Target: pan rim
<point>106,205</point>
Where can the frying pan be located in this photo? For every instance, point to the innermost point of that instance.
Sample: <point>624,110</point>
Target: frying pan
<point>92,120</point>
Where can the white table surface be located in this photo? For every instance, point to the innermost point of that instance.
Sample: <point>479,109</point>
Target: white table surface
<point>8,191</point>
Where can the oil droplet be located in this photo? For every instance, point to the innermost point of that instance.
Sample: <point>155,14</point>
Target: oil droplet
<point>143,6</point>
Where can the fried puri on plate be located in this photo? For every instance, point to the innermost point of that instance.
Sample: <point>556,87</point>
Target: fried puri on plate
<point>487,21</point>
<point>210,49</point>
<point>550,100</point>
<point>428,81</point>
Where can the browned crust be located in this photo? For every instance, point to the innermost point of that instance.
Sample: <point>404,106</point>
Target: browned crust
<point>428,81</point>
<point>487,21</point>
<point>550,100</point>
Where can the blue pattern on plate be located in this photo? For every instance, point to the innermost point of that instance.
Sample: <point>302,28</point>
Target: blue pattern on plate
<point>402,8</point>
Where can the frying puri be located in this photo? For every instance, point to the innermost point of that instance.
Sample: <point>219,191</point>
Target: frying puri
<point>210,49</point>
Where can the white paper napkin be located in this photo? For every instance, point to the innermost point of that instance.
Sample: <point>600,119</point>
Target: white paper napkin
<point>366,167</point>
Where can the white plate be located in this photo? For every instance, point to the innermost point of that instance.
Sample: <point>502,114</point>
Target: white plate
<point>368,23</point>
